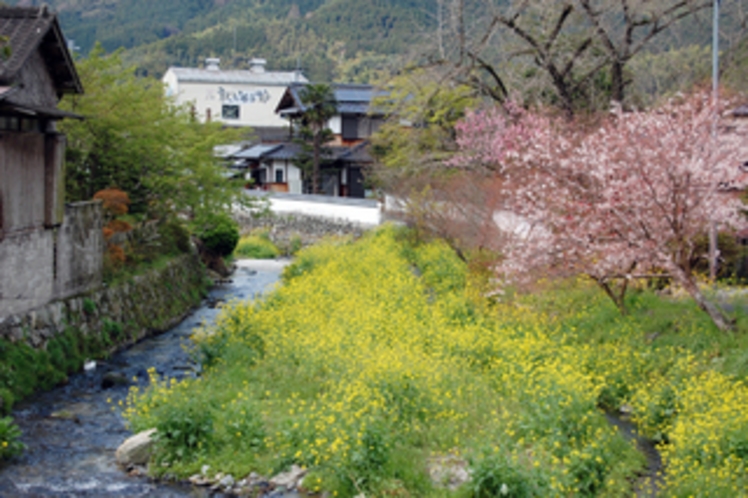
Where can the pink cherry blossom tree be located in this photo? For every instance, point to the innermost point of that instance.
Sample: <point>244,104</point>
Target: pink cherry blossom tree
<point>628,196</point>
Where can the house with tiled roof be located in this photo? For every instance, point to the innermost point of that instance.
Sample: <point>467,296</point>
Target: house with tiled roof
<point>272,165</point>
<point>48,249</point>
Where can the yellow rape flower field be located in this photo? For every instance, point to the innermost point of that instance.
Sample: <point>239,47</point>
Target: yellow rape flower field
<point>376,358</point>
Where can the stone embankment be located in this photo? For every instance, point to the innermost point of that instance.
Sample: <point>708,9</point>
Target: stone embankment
<point>99,322</point>
<point>146,304</point>
<point>283,229</point>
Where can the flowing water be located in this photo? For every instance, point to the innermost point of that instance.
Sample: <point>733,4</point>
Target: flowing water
<point>72,432</point>
<point>652,479</point>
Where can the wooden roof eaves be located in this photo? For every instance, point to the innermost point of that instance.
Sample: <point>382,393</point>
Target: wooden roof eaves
<point>77,85</point>
<point>51,26</point>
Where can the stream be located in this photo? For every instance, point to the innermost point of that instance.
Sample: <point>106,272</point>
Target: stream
<point>72,432</point>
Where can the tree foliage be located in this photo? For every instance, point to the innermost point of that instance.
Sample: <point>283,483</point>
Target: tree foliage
<point>219,233</point>
<point>630,195</point>
<point>133,138</point>
<point>421,110</point>
<point>329,38</point>
<point>319,107</point>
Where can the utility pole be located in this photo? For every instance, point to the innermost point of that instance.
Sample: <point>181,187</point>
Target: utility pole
<point>713,250</point>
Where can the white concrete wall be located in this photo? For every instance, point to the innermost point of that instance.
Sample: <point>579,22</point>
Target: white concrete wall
<point>336,125</point>
<point>256,103</point>
<point>26,270</point>
<point>171,83</point>
<point>291,175</point>
<point>364,215</point>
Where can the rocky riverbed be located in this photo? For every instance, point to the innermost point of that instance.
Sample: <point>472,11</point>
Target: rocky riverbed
<point>72,432</point>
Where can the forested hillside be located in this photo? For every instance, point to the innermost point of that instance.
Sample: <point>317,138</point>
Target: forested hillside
<point>344,40</point>
<point>329,39</point>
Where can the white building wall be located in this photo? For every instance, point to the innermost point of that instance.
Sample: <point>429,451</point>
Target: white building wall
<point>256,92</point>
<point>291,175</point>
<point>172,84</point>
<point>257,103</point>
<point>336,125</point>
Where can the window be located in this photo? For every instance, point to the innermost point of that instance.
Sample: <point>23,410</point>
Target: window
<point>230,112</point>
<point>13,123</point>
<point>278,176</point>
<point>350,128</point>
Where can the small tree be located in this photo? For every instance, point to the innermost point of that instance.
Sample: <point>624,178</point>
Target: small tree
<point>134,137</point>
<point>319,107</point>
<point>633,194</point>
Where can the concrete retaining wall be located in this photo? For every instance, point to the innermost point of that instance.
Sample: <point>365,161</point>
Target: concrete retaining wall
<point>38,265</point>
<point>80,250</point>
<point>364,212</point>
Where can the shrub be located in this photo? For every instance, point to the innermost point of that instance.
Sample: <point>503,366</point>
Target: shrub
<point>115,202</point>
<point>175,236</point>
<point>183,431</point>
<point>244,428</point>
<point>219,233</point>
<point>9,439</point>
<point>294,245</point>
<point>89,306</point>
<point>256,246</point>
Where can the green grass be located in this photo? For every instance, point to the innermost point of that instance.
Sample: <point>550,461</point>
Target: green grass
<point>256,246</point>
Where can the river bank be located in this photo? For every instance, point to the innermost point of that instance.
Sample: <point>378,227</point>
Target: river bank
<point>40,348</point>
<point>72,431</point>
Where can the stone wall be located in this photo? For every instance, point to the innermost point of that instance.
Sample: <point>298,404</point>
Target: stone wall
<point>147,304</point>
<point>38,265</point>
<point>309,229</point>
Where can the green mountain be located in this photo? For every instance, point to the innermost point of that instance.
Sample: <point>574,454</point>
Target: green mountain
<point>328,39</point>
<point>331,40</point>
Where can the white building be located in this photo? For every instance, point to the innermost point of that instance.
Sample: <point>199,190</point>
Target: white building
<point>234,97</point>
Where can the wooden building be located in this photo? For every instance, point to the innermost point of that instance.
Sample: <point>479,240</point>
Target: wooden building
<point>38,247</point>
<point>271,164</point>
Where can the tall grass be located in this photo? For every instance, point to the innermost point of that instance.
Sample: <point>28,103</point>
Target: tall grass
<point>256,246</point>
<point>376,357</point>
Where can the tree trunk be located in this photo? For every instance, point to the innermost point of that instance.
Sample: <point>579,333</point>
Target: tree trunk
<point>618,299</point>
<point>617,83</point>
<point>715,313</point>
<point>315,164</point>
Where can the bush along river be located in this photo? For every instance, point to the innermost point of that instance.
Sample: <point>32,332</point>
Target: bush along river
<point>73,431</point>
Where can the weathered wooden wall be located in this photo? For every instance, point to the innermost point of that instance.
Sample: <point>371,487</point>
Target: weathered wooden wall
<point>22,180</point>
<point>37,84</point>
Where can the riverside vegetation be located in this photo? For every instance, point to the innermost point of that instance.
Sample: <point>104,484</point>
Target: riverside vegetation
<point>380,356</point>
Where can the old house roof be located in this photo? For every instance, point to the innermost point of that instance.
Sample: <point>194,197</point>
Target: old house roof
<point>350,99</point>
<point>28,29</point>
<point>291,150</point>
<point>235,76</point>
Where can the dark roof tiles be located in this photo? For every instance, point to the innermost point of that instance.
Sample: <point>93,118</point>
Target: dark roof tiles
<point>350,98</point>
<point>26,28</point>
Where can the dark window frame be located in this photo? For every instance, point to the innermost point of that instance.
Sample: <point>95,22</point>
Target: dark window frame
<point>349,127</point>
<point>230,111</point>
